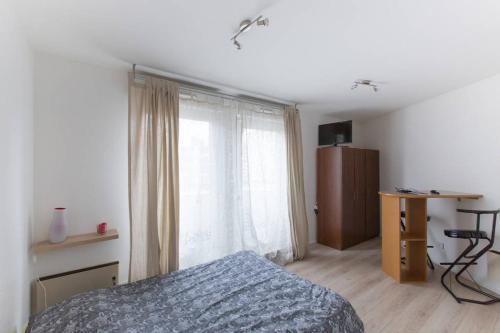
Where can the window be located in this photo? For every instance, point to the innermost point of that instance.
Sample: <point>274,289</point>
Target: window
<point>233,180</point>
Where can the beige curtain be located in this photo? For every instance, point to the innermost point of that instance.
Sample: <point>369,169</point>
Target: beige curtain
<point>153,177</point>
<point>296,196</point>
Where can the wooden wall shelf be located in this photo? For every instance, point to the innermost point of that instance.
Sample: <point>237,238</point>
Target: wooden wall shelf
<point>75,240</point>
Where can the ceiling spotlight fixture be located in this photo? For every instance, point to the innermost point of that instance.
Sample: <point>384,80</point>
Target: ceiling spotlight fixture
<point>263,21</point>
<point>246,25</point>
<point>366,83</point>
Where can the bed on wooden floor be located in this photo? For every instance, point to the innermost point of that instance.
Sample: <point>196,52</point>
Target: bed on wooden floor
<point>239,293</point>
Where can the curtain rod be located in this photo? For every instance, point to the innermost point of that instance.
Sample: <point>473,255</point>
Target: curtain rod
<point>193,83</point>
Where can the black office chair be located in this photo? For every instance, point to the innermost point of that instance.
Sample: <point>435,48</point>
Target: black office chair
<point>474,237</point>
<point>403,227</point>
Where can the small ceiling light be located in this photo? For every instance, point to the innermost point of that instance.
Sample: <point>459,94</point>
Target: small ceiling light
<point>246,25</point>
<point>264,22</point>
<point>366,83</point>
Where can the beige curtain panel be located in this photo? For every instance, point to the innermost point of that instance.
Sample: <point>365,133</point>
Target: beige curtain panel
<point>153,177</point>
<point>296,195</point>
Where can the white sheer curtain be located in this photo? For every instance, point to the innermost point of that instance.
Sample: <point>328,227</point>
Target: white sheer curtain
<point>233,180</point>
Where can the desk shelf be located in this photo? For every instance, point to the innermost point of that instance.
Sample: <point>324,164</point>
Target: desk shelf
<point>75,240</point>
<point>409,276</point>
<point>412,237</point>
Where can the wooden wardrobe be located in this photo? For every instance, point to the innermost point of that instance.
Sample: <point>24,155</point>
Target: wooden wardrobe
<point>347,196</point>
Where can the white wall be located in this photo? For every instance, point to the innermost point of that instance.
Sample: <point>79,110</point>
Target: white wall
<point>16,171</point>
<point>81,163</point>
<point>449,142</point>
<point>309,124</point>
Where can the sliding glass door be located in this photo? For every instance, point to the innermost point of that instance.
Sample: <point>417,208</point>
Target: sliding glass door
<point>233,180</point>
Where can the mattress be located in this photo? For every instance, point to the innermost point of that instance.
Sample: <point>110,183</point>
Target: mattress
<point>242,292</point>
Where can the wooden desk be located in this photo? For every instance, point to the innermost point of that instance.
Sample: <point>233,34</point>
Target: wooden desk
<point>415,234</point>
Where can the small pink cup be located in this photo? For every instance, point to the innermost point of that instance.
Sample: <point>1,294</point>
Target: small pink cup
<point>102,228</point>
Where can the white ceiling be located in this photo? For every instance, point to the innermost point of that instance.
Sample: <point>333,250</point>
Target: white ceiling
<point>310,54</point>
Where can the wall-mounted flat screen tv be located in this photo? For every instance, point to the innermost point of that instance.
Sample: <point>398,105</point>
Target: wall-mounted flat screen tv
<point>335,133</point>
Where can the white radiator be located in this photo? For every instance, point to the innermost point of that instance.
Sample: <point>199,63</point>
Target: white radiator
<point>55,288</point>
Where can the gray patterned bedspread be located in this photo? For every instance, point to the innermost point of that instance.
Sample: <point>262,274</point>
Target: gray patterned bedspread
<point>238,293</point>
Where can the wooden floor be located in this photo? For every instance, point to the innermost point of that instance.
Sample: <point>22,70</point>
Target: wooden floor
<point>386,306</point>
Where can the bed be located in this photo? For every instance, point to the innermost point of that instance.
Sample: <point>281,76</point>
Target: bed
<point>239,293</point>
